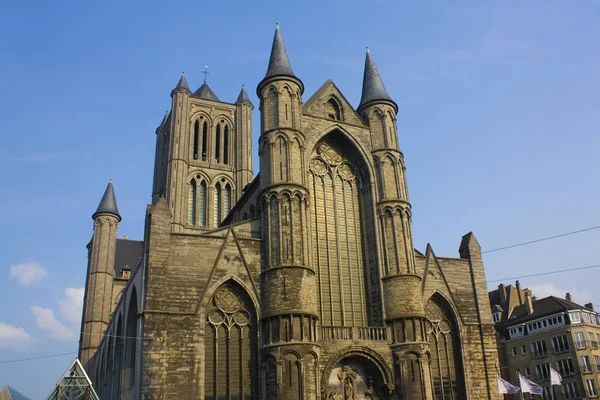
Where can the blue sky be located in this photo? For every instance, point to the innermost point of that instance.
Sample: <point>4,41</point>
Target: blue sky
<point>498,121</point>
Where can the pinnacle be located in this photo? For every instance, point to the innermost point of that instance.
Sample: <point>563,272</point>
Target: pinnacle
<point>279,63</point>
<point>373,88</point>
<point>108,204</point>
<point>243,97</point>
<point>182,84</point>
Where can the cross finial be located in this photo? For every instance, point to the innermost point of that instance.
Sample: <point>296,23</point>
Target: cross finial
<point>277,23</point>
<point>110,180</point>
<point>205,72</point>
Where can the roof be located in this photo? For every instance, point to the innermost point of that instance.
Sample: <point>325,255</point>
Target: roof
<point>108,204</point>
<point>127,254</point>
<point>279,63</point>
<point>243,97</point>
<point>373,88</point>
<point>182,84</point>
<point>78,383</point>
<point>204,92</point>
<point>9,393</point>
<point>542,307</point>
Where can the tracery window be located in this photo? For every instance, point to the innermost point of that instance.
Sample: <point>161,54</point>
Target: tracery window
<point>445,352</point>
<point>196,138</point>
<point>192,203</point>
<point>230,345</point>
<point>197,201</point>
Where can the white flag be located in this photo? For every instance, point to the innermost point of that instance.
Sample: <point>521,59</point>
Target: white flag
<point>528,386</point>
<point>506,388</point>
<point>555,378</point>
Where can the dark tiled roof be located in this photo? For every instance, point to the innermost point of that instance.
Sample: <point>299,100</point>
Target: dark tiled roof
<point>14,394</point>
<point>204,92</point>
<point>541,307</point>
<point>108,204</point>
<point>373,88</point>
<point>279,63</point>
<point>182,84</point>
<point>127,255</point>
<point>243,97</point>
<point>164,121</point>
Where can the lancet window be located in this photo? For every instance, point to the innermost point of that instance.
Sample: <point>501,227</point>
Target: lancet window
<point>230,345</point>
<point>196,139</point>
<point>445,352</point>
<point>197,202</point>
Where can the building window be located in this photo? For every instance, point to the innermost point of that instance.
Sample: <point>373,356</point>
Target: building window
<point>218,204</point>
<point>192,203</point>
<point>204,139</point>
<point>523,349</point>
<point>217,143</point>
<point>226,145</point>
<point>227,199</point>
<point>574,317</point>
<point>548,393</point>
<point>571,390</point>
<point>514,351</point>
<point>126,272</point>
<point>196,138</point>
<point>591,387</point>
<point>539,349</point>
<point>527,371</point>
<point>566,367</point>
<point>202,200</point>
<point>560,343</point>
<point>597,360</point>
<point>230,345</point>
<point>497,316</point>
<point>585,364</point>
<point>542,371</point>
<point>333,110</point>
<point>586,317</point>
<point>579,340</point>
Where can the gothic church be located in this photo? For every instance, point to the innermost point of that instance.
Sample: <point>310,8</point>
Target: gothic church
<point>301,282</point>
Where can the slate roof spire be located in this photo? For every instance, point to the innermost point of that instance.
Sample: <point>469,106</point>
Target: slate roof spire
<point>108,204</point>
<point>182,84</point>
<point>204,92</point>
<point>243,97</point>
<point>373,88</point>
<point>279,63</point>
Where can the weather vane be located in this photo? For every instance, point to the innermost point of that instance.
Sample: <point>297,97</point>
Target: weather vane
<point>205,72</point>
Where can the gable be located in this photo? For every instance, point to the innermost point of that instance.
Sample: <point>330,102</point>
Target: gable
<point>323,104</point>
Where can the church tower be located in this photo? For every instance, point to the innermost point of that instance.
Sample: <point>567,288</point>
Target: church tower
<point>404,310</point>
<point>97,304</point>
<point>289,314</point>
<point>203,157</point>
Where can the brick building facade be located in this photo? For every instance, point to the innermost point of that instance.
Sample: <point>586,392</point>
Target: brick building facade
<point>301,282</point>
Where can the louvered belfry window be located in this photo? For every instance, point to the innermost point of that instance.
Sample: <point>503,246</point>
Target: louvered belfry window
<point>230,345</point>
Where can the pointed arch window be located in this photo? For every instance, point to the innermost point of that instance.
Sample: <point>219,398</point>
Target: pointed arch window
<point>204,139</point>
<point>333,110</point>
<point>192,203</point>
<point>196,138</point>
<point>227,200</point>
<point>218,204</point>
<point>202,200</point>
<point>230,345</point>
<point>445,351</point>
<point>226,145</point>
<point>218,143</point>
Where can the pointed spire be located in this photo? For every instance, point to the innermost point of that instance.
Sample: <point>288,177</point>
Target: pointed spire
<point>108,204</point>
<point>243,97</point>
<point>182,84</point>
<point>164,120</point>
<point>279,63</point>
<point>204,92</point>
<point>373,88</point>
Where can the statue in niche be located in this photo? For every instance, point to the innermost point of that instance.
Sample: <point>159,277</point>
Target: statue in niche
<point>347,379</point>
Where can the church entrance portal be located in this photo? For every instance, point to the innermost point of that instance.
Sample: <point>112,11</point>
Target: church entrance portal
<point>355,378</point>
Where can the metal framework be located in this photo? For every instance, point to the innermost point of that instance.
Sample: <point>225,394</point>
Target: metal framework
<point>74,385</point>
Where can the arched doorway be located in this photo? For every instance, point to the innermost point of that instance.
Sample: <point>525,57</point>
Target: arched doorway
<point>356,376</point>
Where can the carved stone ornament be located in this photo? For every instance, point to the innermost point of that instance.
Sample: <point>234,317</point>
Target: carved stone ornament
<point>318,167</point>
<point>328,154</point>
<point>346,172</point>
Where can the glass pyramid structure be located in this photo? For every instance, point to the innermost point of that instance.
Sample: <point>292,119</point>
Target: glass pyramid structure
<point>74,385</point>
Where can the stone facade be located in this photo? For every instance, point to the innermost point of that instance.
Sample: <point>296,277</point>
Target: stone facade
<point>302,283</point>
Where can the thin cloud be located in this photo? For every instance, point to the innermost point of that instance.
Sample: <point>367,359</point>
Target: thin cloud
<point>28,273</point>
<point>71,305</point>
<point>549,289</point>
<point>15,338</point>
<point>44,318</point>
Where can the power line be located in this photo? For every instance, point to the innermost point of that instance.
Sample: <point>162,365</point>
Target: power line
<point>541,240</point>
<point>545,273</point>
<point>38,358</point>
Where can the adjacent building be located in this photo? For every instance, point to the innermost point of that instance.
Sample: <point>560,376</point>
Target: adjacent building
<point>301,282</point>
<point>536,334</point>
